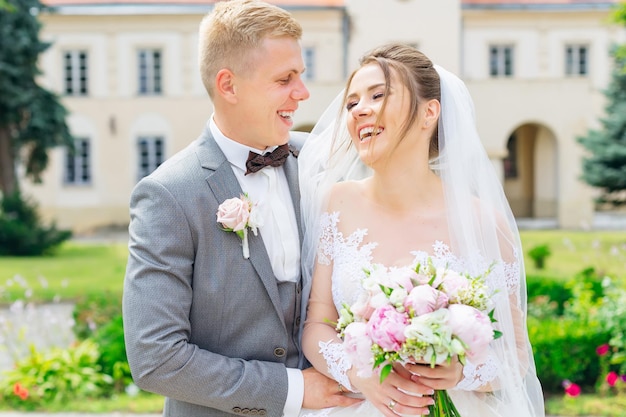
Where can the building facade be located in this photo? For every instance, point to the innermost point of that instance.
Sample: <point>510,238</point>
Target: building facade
<point>127,72</point>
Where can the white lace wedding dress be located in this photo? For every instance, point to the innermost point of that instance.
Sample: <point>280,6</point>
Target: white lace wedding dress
<point>350,255</point>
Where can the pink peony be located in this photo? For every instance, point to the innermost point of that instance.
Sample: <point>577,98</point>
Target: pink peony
<point>474,328</point>
<point>424,299</point>
<point>400,278</point>
<point>358,346</point>
<point>452,283</point>
<point>233,213</point>
<point>386,328</point>
<point>602,349</point>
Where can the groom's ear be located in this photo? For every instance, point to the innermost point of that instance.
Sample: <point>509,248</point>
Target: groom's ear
<point>225,85</point>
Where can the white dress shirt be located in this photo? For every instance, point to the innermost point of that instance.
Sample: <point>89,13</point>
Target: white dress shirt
<point>281,238</point>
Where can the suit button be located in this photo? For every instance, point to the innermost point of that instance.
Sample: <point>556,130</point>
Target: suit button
<point>279,352</point>
<point>298,321</point>
<point>236,410</point>
<point>262,412</point>
<point>245,411</point>
<point>254,412</point>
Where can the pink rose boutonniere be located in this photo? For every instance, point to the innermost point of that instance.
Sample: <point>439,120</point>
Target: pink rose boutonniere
<point>238,215</point>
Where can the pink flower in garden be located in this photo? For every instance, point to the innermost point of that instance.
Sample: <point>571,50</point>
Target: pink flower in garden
<point>611,378</point>
<point>386,328</point>
<point>602,349</point>
<point>20,390</point>
<point>571,389</point>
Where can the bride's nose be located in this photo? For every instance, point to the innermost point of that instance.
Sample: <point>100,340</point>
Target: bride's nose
<point>361,110</point>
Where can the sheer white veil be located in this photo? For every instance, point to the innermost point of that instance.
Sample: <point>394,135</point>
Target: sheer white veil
<point>481,225</point>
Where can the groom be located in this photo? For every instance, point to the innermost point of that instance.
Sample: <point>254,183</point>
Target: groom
<point>214,329</point>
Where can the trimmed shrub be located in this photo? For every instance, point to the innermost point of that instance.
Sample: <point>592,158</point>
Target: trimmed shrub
<point>565,350</point>
<point>21,230</point>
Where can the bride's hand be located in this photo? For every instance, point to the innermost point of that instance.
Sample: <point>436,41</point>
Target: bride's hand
<point>398,394</point>
<point>441,377</point>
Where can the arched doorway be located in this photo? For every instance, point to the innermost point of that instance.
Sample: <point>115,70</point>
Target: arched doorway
<point>531,172</point>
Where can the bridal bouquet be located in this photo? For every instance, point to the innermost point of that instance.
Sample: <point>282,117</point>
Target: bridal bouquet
<point>421,314</point>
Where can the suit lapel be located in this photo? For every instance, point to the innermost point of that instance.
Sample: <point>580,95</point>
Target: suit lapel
<point>291,172</point>
<point>224,185</point>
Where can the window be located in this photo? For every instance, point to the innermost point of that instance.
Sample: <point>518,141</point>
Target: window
<point>75,71</point>
<point>78,163</point>
<point>576,60</point>
<point>149,71</point>
<point>501,61</point>
<point>510,162</point>
<point>151,153</point>
<point>308,56</point>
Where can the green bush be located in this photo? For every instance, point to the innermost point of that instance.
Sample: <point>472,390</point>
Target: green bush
<point>55,376</point>
<point>113,360</point>
<point>540,287</point>
<point>94,310</point>
<point>565,350</point>
<point>539,254</point>
<point>21,230</point>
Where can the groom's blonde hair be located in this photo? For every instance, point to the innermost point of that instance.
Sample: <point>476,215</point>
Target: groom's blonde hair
<point>233,31</point>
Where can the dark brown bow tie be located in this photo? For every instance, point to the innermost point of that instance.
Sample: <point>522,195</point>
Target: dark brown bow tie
<point>275,158</point>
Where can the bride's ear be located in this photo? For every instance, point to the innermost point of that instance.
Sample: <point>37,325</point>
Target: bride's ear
<point>431,113</point>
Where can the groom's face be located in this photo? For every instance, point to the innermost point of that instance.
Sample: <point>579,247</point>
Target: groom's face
<point>269,94</point>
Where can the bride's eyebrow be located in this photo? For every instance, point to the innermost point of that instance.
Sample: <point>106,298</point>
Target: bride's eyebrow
<point>370,88</point>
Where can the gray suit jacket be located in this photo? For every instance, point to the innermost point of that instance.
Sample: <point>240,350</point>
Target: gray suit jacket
<point>202,323</point>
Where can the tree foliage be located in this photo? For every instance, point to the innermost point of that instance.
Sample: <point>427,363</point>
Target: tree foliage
<point>605,166</point>
<point>32,119</point>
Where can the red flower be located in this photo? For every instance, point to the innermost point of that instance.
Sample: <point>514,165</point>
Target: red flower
<point>603,349</point>
<point>20,391</point>
<point>611,378</point>
<point>571,389</point>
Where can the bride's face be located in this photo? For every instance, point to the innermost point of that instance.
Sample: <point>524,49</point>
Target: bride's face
<point>375,132</point>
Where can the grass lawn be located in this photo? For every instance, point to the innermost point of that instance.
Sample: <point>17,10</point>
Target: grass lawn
<point>75,269</point>
<point>572,251</point>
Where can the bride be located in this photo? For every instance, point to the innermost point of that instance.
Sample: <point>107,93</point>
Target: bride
<point>395,172</point>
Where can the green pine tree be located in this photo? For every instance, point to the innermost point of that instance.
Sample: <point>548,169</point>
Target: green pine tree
<point>605,166</point>
<point>32,119</point>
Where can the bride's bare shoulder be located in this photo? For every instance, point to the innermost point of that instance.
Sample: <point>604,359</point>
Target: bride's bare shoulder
<point>345,195</point>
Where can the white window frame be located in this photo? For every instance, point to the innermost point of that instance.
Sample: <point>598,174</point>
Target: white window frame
<point>76,72</point>
<point>501,60</point>
<point>150,153</point>
<point>77,168</point>
<point>150,71</point>
<point>309,55</point>
<point>577,60</point>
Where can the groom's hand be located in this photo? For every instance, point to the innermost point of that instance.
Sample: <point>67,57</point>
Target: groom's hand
<point>321,392</point>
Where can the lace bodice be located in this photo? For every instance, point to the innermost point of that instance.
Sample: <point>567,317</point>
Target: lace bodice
<point>350,255</point>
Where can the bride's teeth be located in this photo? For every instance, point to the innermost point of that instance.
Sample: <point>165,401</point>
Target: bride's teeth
<point>286,114</point>
<point>368,132</point>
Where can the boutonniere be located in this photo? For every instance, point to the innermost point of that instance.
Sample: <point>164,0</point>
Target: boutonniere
<point>238,215</point>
